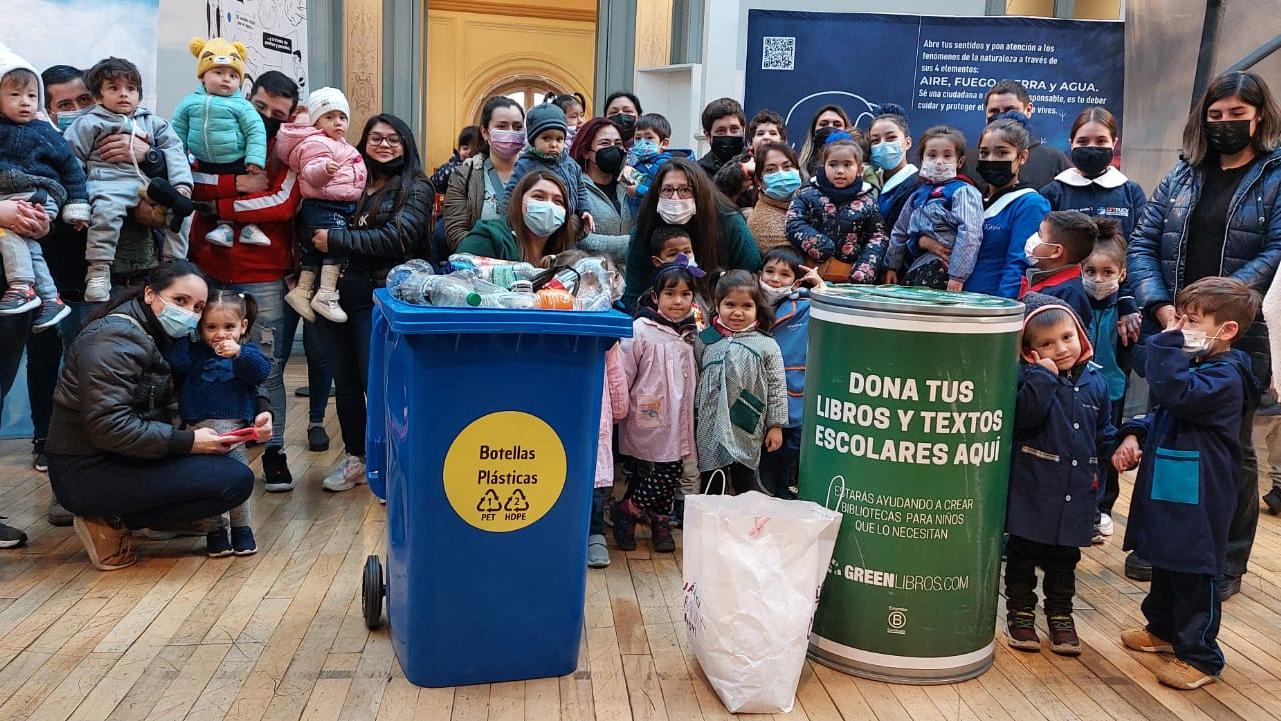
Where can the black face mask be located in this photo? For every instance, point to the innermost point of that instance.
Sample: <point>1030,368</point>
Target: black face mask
<point>1228,137</point>
<point>725,147</point>
<point>391,167</point>
<point>1092,162</point>
<point>997,173</point>
<point>610,160</point>
<point>273,125</point>
<point>626,122</point>
<point>822,134</point>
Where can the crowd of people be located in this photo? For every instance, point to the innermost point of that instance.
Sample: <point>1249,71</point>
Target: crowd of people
<point>158,270</point>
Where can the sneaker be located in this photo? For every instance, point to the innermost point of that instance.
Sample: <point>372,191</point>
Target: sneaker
<point>98,283</point>
<point>1227,587</point>
<point>253,235</point>
<point>1179,674</point>
<point>40,459</point>
<point>56,515</point>
<point>242,541</point>
<point>51,313</point>
<point>218,543</point>
<point>317,438</point>
<point>299,298</point>
<point>222,235</point>
<point>348,474</point>
<point>1106,526</point>
<point>597,551</point>
<point>1136,568</point>
<point>18,299</point>
<point>1063,638</point>
<point>1097,538</point>
<point>624,527</point>
<point>1272,499</point>
<point>1141,639</point>
<point>325,304</point>
<point>11,537</point>
<point>275,471</point>
<point>109,548</point>
<point>1020,629</point>
<point>662,531</point>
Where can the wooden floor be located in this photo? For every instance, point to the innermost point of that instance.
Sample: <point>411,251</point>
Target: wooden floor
<point>279,635</point>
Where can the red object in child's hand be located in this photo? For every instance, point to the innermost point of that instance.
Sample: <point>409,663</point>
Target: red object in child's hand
<point>240,436</point>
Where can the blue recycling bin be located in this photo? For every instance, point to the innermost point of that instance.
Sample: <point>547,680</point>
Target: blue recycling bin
<point>483,427</point>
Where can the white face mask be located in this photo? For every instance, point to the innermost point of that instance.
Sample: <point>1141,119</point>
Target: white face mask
<point>938,171</point>
<point>772,294</point>
<point>676,211</point>
<point>1196,344</point>
<point>1100,289</point>
<point>1029,248</point>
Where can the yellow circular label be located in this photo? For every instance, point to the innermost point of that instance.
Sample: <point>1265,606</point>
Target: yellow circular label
<point>504,471</point>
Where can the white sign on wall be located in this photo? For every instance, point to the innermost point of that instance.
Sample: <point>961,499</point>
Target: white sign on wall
<point>275,31</point>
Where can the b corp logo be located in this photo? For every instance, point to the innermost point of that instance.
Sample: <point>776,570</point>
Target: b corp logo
<point>897,619</point>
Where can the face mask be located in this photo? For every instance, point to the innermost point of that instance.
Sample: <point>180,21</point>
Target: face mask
<point>644,148</point>
<point>887,155</point>
<point>506,143</point>
<point>570,132</point>
<point>675,211</point>
<point>272,125</point>
<point>177,322</point>
<point>610,160</point>
<point>1100,289</point>
<point>67,117</point>
<point>725,147</point>
<point>997,173</point>
<point>1228,137</point>
<point>626,122</point>
<point>772,294</point>
<point>782,184</point>
<point>1196,344</point>
<point>543,218</point>
<point>391,167</point>
<point>1092,162</point>
<point>1034,242</point>
<point>938,171</point>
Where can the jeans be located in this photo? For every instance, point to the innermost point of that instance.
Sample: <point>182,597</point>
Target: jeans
<point>778,468</point>
<point>319,379</point>
<point>239,516</point>
<point>1184,609</point>
<point>346,347</point>
<point>1058,563</point>
<point>267,331</point>
<point>1245,520</point>
<point>600,496</point>
<point>314,215</point>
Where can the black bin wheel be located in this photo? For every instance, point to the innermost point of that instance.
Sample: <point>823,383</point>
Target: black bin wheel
<point>372,586</point>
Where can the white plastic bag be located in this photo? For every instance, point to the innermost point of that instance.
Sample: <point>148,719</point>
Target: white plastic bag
<point>753,569</point>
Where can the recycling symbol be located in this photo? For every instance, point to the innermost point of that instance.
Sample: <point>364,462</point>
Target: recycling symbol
<point>489,502</point>
<point>517,502</point>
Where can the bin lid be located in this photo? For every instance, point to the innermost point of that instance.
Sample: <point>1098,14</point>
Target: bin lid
<point>409,319</point>
<point>918,301</point>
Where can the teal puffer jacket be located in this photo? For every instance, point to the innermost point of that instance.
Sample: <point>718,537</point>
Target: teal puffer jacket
<point>217,129</point>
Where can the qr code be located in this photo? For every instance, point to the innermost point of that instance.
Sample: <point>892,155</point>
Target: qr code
<point>779,54</point>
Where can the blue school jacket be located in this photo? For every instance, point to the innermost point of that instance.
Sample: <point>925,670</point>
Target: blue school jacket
<point>1186,489</point>
<point>1008,221</point>
<point>1115,359</point>
<point>1063,432</point>
<point>1111,195</point>
<point>791,331</point>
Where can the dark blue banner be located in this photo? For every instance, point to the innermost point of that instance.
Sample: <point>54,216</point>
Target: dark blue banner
<point>938,68</point>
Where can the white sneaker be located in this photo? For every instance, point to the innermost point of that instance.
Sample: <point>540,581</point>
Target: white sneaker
<point>98,284</point>
<point>1106,526</point>
<point>253,235</point>
<point>221,235</point>
<point>348,474</point>
<point>325,304</point>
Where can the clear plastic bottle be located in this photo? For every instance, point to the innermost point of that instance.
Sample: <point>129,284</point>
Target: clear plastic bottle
<point>521,296</point>
<point>411,271</point>
<point>447,291</point>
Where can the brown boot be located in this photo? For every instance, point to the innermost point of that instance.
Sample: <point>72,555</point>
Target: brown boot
<point>1180,675</point>
<point>1140,639</point>
<point>109,548</point>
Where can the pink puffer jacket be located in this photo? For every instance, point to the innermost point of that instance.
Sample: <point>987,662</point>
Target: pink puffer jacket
<point>306,150</point>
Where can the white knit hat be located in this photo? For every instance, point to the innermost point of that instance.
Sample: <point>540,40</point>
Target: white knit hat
<point>324,100</point>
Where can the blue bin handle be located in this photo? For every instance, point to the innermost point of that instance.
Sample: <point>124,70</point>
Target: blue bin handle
<point>376,413</point>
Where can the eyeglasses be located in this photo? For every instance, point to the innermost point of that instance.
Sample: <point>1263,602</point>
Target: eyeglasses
<point>391,141</point>
<point>684,192</point>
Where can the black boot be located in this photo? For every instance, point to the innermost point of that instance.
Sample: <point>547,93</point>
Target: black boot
<point>160,192</point>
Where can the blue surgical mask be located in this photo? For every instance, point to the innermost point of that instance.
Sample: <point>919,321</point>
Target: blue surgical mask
<point>887,155</point>
<point>67,117</point>
<point>780,185</point>
<point>644,148</point>
<point>177,322</point>
<point>543,218</point>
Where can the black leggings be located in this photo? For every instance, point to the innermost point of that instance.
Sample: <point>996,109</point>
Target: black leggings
<point>143,492</point>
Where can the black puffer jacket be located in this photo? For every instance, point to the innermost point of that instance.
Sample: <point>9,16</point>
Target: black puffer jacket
<point>1252,250</point>
<point>382,237</point>
<point>114,391</point>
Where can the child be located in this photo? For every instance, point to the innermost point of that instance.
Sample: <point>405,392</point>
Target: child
<point>786,283</point>
<point>1093,185</point>
<point>648,154</point>
<point>468,142</point>
<point>114,189</point>
<point>944,207</point>
<point>742,390</point>
<point>1102,276</point>
<point>545,129</point>
<point>331,175</point>
<point>1054,255</point>
<point>1186,488</point>
<point>668,243</point>
<point>574,106</point>
<point>834,220</point>
<point>766,126</point>
<point>1062,426</point>
<point>658,432</point>
<point>220,378</point>
<point>36,166</point>
<point>220,127</point>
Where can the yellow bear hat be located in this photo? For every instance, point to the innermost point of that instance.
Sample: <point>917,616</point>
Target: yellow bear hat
<point>217,53</point>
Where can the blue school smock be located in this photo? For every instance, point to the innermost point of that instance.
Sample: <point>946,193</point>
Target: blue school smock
<point>1111,195</point>
<point>895,192</point>
<point>791,331</point>
<point>1186,490</point>
<point>1008,221</point>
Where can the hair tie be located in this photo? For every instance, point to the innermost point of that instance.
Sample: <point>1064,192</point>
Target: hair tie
<point>838,135</point>
<point>687,263</point>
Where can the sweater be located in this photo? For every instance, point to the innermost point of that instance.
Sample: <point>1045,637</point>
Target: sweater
<point>306,150</point>
<point>742,392</point>
<point>221,129</point>
<point>735,251</point>
<point>1008,221</point>
<point>768,223</point>
<point>851,232</point>
<point>613,224</point>
<point>1111,195</point>
<point>88,129</point>
<point>492,239</point>
<point>565,167</point>
<point>214,387</point>
<point>35,156</point>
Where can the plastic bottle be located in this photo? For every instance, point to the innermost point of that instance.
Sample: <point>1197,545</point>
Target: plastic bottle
<point>447,291</point>
<point>410,269</point>
<point>521,296</point>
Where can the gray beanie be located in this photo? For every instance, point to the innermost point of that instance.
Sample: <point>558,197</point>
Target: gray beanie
<point>542,118</point>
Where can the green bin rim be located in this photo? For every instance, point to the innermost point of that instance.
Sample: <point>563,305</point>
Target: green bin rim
<point>914,301</point>
<point>409,319</point>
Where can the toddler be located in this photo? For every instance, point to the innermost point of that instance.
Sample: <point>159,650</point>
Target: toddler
<point>1062,426</point>
<point>648,154</point>
<point>114,189</point>
<point>221,128</point>
<point>574,106</point>
<point>742,390</point>
<point>220,378</point>
<point>331,177</point>
<point>658,431</point>
<point>1054,254</point>
<point>834,220</point>
<point>36,166</point>
<point>945,208</point>
<point>545,129</point>
<point>1188,450</point>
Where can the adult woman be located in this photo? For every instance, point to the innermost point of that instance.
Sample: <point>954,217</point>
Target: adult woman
<point>598,148</point>
<point>890,142</point>
<point>1218,212</point>
<point>686,197</point>
<point>778,180</point>
<point>623,108</point>
<point>828,116</point>
<point>476,188</point>
<point>115,459</point>
<point>392,222</point>
<point>535,226</point>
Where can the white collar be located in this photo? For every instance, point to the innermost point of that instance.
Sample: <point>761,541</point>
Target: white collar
<point>1004,201</point>
<point>1111,178</point>
<point>897,179</point>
